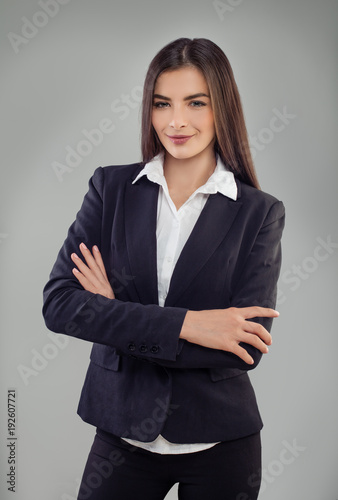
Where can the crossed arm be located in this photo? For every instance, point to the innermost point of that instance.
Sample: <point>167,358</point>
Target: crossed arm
<point>221,329</point>
<point>81,302</point>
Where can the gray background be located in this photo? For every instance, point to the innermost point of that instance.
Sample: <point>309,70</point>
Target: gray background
<point>73,72</point>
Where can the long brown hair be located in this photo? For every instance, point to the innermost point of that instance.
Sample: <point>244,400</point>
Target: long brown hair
<point>232,142</point>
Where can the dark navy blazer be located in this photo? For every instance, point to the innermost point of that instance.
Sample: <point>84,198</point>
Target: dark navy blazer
<point>142,379</point>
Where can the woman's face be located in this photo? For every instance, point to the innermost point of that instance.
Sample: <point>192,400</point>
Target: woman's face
<point>182,108</point>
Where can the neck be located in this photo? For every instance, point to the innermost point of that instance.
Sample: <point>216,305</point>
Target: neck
<point>188,173</point>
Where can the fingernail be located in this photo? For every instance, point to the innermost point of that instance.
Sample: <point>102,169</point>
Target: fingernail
<point>74,256</point>
<point>76,271</point>
<point>95,248</point>
<point>83,246</point>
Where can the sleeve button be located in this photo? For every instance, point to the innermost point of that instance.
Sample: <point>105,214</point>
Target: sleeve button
<point>154,349</point>
<point>143,348</point>
<point>131,346</point>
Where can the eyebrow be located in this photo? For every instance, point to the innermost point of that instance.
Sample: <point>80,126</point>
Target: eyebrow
<point>194,96</point>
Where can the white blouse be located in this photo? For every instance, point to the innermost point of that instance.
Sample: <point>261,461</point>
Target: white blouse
<point>172,231</point>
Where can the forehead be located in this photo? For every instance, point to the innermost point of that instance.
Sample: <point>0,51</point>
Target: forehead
<point>187,80</point>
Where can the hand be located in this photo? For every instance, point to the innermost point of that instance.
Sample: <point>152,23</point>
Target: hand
<point>93,276</point>
<point>225,328</point>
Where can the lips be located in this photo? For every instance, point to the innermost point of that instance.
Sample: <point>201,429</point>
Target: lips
<point>179,139</point>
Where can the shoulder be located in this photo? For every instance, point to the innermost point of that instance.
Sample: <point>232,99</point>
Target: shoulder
<point>115,175</point>
<point>259,202</point>
<point>126,171</point>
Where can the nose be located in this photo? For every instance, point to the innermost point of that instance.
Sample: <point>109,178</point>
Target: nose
<point>178,119</point>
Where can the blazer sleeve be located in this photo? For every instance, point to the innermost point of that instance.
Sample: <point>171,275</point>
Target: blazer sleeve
<point>256,284</point>
<point>71,310</point>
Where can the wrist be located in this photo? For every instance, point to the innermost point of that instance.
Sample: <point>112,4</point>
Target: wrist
<point>189,326</point>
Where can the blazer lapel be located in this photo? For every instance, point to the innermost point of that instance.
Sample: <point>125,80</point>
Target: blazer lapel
<point>140,226</point>
<point>211,228</point>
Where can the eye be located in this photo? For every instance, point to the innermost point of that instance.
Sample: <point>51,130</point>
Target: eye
<point>198,104</point>
<point>160,105</point>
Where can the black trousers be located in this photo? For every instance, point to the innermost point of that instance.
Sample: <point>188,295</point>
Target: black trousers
<point>116,470</point>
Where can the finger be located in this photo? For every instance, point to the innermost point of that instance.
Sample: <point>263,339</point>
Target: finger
<point>90,260</point>
<point>99,261</point>
<point>243,354</point>
<point>258,330</point>
<point>86,284</point>
<point>258,312</point>
<point>85,270</point>
<point>256,342</point>
<point>95,281</point>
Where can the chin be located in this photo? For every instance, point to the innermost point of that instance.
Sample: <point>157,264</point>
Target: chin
<point>180,153</point>
<point>181,156</point>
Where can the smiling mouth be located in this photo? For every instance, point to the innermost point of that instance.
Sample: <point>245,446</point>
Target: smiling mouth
<point>179,139</point>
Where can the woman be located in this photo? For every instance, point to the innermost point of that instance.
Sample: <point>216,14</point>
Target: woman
<point>170,269</point>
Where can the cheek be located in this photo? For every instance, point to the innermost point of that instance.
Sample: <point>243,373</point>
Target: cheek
<point>209,123</point>
<point>156,122</point>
